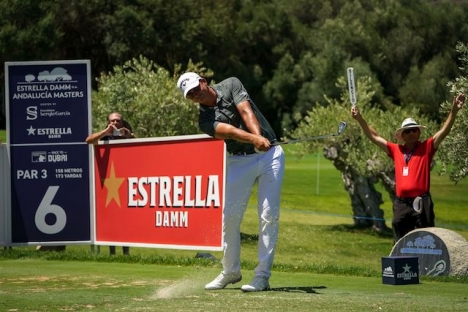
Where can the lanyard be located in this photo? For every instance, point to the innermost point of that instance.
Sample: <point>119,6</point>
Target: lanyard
<point>408,156</point>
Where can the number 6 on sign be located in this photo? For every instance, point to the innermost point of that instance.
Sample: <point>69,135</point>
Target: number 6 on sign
<point>351,86</point>
<point>46,207</point>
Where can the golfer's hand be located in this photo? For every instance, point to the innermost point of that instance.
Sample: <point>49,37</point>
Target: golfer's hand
<point>262,144</point>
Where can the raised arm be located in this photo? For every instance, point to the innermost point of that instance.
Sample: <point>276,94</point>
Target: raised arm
<point>440,135</point>
<point>370,132</point>
<point>95,137</point>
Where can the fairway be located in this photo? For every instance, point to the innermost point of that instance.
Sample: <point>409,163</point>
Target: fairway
<point>92,286</point>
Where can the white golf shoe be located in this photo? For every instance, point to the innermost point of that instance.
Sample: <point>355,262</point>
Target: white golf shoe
<point>222,280</point>
<point>258,283</point>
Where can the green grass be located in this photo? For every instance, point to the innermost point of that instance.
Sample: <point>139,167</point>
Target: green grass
<point>2,136</point>
<point>322,262</point>
<point>51,285</point>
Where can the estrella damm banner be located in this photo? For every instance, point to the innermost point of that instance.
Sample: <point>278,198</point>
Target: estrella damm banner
<point>165,193</point>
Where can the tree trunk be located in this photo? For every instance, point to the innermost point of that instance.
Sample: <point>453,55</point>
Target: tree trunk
<point>365,199</point>
<point>386,177</point>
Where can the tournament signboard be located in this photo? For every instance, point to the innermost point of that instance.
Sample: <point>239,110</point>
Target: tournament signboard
<point>3,192</point>
<point>161,193</point>
<point>48,119</point>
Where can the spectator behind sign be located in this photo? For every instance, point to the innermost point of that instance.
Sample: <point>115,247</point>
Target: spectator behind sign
<point>117,128</point>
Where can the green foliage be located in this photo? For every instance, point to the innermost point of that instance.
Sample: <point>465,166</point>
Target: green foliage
<point>425,88</point>
<point>147,97</point>
<point>288,53</point>
<point>454,150</point>
<point>358,150</point>
<point>26,30</point>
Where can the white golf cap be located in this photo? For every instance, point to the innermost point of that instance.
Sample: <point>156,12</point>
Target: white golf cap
<point>408,123</point>
<point>187,82</point>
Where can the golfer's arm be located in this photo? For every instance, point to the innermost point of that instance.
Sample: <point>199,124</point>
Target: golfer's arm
<point>249,118</point>
<point>226,131</point>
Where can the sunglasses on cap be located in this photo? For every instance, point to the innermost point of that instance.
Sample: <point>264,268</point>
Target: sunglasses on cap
<point>410,130</point>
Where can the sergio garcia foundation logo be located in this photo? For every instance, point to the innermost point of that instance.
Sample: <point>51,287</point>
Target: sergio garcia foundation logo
<point>32,112</point>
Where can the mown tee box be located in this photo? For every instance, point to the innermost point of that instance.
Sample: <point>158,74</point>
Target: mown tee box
<point>399,270</point>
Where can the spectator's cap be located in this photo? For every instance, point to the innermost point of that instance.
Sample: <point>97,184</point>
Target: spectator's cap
<point>408,123</point>
<point>187,82</point>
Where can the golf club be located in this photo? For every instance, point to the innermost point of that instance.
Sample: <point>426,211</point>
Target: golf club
<point>341,128</point>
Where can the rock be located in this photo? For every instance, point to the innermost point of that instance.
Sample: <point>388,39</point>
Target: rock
<point>440,251</point>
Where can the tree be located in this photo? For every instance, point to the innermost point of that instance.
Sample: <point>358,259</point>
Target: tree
<point>361,163</point>
<point>27,33</point>
<point>148,98</point>
<point>288,53</point>
<point>454,151</point>
<point>426,86</point>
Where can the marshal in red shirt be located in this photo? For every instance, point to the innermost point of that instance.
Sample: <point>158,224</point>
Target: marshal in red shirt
<point>413,178</point>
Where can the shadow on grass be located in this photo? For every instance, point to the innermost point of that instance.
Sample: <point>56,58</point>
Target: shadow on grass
<point>344,228</point>
<point>292,289</point>
<point>249,238</point>
<point>299,289</point>
<point>350,228</point>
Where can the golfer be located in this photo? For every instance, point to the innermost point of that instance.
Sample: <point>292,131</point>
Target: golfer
<point>228,113</point>
<point>413,207</point>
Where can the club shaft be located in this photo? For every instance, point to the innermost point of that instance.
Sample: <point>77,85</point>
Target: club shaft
<point>341,128</point>
<point>306,139</point>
